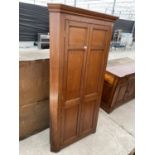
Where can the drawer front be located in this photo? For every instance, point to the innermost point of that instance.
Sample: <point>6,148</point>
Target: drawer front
<point>109,78</point>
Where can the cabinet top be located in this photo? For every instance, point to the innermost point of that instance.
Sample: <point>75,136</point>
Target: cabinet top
<point>121,67</point>
<point>80,12</point>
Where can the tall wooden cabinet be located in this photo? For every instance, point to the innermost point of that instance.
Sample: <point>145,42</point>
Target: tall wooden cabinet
<point>79,44</point>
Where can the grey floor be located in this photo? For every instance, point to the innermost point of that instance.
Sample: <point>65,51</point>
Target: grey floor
<point>114,135</point>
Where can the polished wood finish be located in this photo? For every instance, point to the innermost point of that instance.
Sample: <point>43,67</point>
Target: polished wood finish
<point>119,83</point>
<point>33,97</point>
<point>79,44</point>
<point>60,8</point>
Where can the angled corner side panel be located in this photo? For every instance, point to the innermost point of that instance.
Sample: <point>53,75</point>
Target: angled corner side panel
<point>56,55</point>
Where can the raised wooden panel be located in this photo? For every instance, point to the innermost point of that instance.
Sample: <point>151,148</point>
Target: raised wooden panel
<point>33,118</point>
<point>70,123</point>
<point>106,92</point>
<point>88,108</point>
<point>98,39</point>
<point>77,36</point>
<point>130,92</point>
<point>33,81</point>
<point>72,102</point>
<point>121,92</point>
<point>74,74</point>
<point>93,71</point>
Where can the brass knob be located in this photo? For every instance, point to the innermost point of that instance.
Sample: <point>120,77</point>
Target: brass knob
<point>85,47</point>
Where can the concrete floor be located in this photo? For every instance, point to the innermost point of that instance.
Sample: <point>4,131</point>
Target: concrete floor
<point>114,135</point>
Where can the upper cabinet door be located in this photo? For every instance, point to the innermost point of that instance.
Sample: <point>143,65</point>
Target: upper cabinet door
<point>95,68</point>
<point>75,58</point>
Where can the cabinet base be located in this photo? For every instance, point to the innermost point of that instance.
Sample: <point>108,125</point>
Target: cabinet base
<point>110,109</point>
<point>53,149</point>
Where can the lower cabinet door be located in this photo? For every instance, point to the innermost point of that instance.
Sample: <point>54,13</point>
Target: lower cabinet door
<point>121,93</point>
<point>70,123</point>
<point>106,94</point>
<point>130,92</point>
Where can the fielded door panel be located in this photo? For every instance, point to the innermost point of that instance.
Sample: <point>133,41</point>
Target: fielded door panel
<point>75,59</point>
<point>130,92</point>
<point>93,77</point>
<point>121,92</point>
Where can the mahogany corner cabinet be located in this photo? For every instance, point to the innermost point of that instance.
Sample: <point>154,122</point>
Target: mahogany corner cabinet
<point>79,45</point>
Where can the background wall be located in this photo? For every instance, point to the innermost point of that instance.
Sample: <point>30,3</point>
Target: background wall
<point>34,19</point>
<point>125,25</point>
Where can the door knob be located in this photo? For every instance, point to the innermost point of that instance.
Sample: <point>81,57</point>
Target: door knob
<point>85,47</point>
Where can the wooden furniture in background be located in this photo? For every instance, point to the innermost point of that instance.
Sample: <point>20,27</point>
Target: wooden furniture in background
<point>79,45</point>
<point>33,96</point>
<point>119,83</point>
<point>132,152</point>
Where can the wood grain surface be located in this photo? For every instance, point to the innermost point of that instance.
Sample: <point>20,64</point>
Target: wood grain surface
<point>79,45</point>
